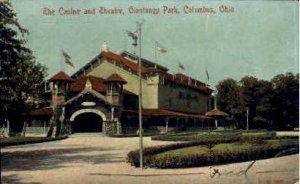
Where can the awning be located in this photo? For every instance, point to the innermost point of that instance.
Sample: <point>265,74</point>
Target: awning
<point>164,112</point>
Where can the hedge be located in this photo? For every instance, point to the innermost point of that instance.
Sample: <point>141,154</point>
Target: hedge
<point>221,153</point>
<point>217,136</point>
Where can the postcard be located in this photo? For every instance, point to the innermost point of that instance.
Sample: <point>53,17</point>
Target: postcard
<point>149,91</point>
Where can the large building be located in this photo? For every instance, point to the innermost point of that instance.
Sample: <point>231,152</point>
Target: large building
<point>103,96</point>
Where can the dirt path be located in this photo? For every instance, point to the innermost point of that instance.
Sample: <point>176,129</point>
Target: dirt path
<point>91,158</point>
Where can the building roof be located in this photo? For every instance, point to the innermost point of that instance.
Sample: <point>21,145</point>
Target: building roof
<point>115,78</point>
<point>47,111</point>
<point>61,76</point>
<point>85,91</point>
<point>148,67</point>
<point>165,112</point>
<point>216,113</point>
<point>98,84</point>
<point>127,63</point>
<point>146,63</point>
<point>186,81</point>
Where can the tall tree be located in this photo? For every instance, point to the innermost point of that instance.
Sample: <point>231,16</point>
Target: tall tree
<point>229,100</point>
<point>286,102</point>
<point>249,87</point>
<point>264,97</point>
<point>20,75</point>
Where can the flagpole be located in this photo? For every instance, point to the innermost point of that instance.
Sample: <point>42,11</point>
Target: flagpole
<point>139,28</point>
<point>155,52</point>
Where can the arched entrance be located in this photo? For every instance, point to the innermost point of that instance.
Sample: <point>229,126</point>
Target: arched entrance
<point>87,122</point>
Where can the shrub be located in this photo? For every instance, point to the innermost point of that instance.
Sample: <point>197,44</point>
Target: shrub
<point>176,156</point>
<point>211,136</point>
<point>218,137</point>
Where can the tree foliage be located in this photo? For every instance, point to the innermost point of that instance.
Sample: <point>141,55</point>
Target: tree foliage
<point>272,104</point>
<point>20,75</point>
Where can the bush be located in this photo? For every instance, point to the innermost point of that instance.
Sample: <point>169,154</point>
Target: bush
<point>210,136</point>
<point>176,156</point>
<point>218,137</point>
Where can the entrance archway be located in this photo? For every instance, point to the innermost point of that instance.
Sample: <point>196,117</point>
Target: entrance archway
<point>87,122</point>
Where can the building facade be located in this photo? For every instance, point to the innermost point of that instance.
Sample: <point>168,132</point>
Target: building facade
<point>102,96</point>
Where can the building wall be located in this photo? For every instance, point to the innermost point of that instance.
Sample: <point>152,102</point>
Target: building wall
<point>155,93</point>
<point>149,87</point>
<point>183,99</point>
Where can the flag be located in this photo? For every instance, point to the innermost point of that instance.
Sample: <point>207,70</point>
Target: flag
<point>132,35</point>
<point>207,75</point>
<point>162,50</point>
<point>181,66</point>
<point>68,59</point>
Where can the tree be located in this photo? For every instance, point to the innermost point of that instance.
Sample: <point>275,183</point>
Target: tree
<point>286,101</point>
<point>264,95</point>
<point>272,104</point>
<point>20,75</point>
<point>229,99</point>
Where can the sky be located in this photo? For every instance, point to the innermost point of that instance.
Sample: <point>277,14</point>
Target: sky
<point>256,38</point>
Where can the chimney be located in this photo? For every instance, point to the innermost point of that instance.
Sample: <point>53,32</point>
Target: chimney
<point>104,47</point>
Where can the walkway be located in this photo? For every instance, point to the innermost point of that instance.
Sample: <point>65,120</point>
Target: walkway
<point>93,158</point>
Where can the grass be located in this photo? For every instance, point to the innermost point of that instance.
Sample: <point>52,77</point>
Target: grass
<point>19,140</point>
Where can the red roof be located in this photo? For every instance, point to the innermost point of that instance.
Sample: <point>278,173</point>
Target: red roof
<point>165,112</point>
<point>216,113</point>
<point>97,84</point>
<point>61,76</point>
<point>133,66</point>
<point>187,82</point>
<point>47,111</point>
<point>115,78</point>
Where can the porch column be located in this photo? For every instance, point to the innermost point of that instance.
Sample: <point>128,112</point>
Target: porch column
<point>7,127</point>
<point>119,127</point>
<point>167,124</point>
